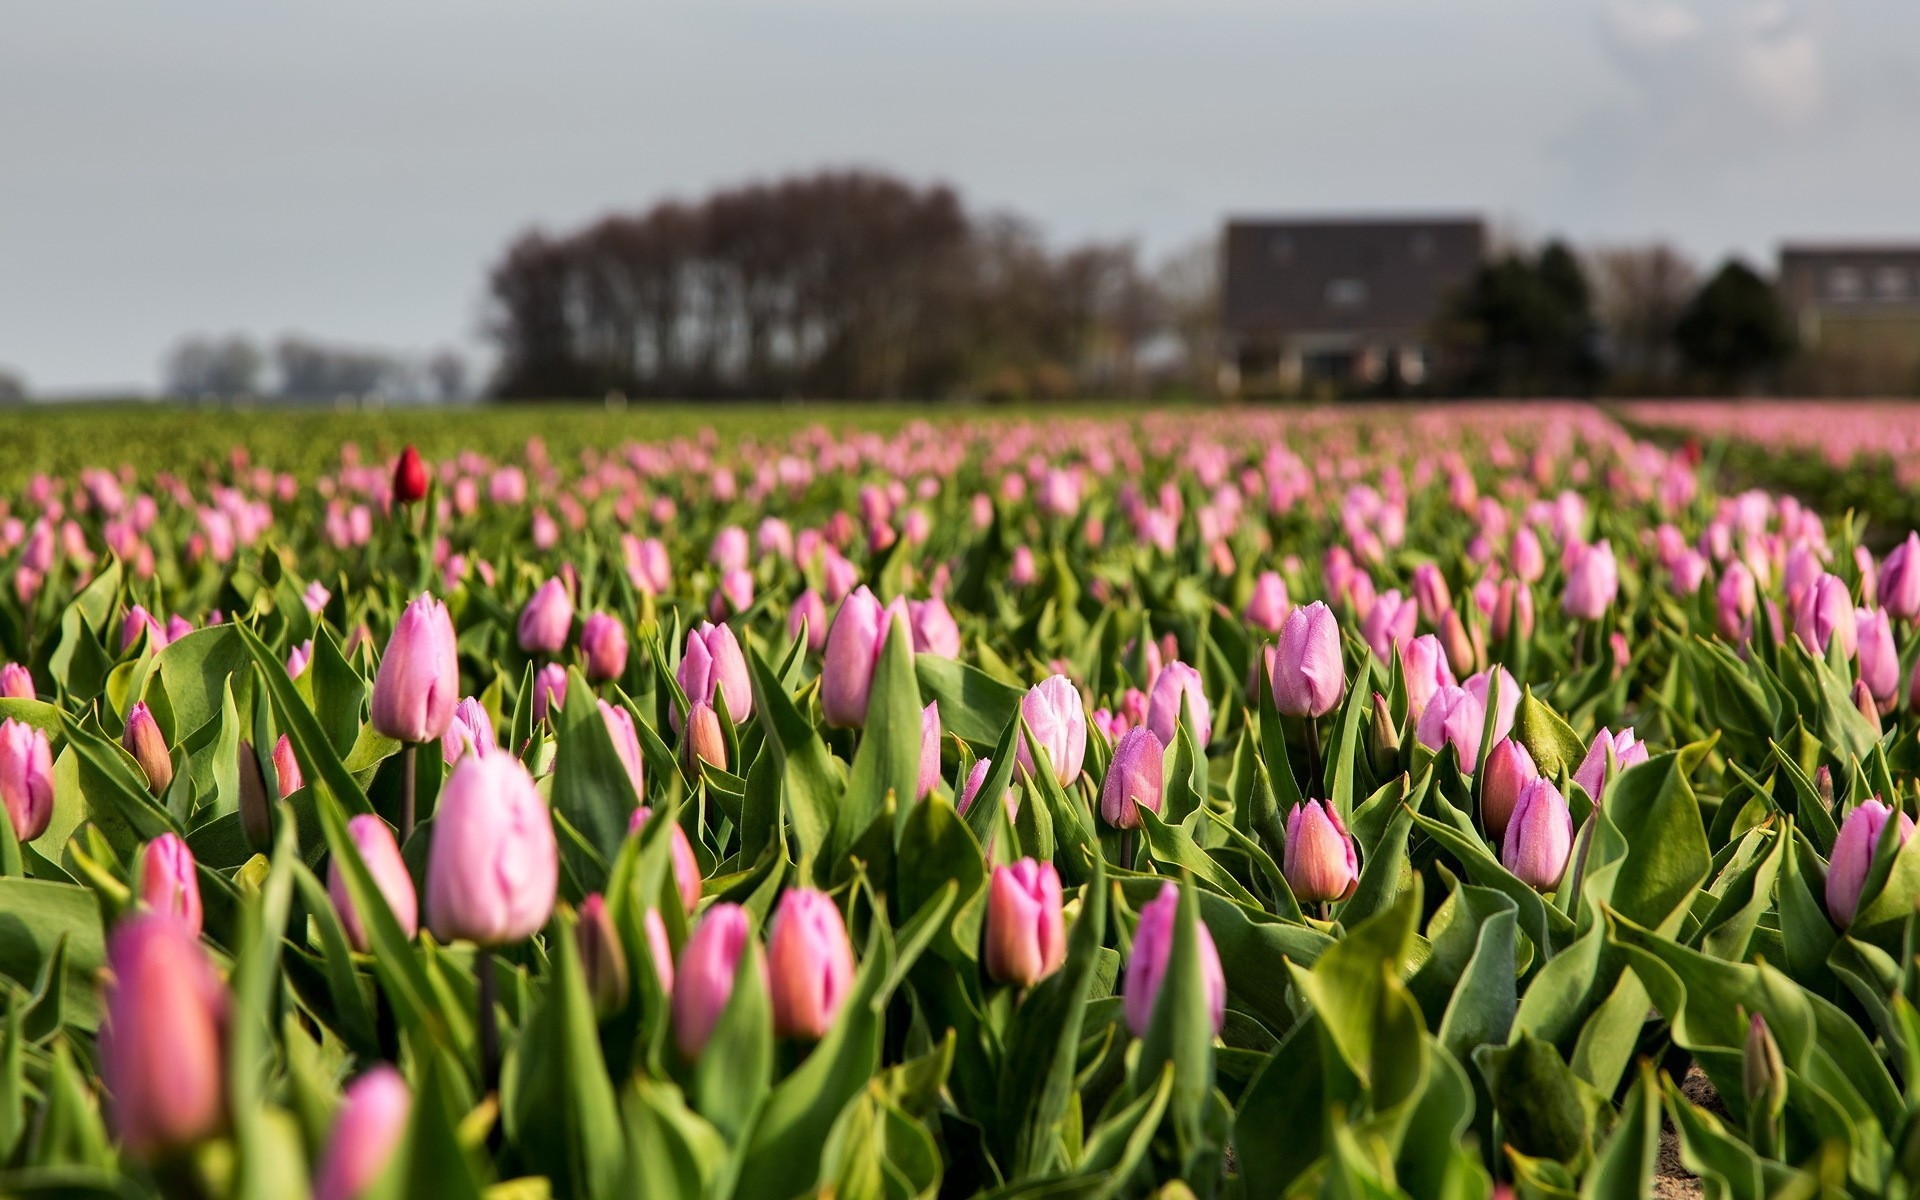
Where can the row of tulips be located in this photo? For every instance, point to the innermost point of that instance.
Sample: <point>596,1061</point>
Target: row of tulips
<point>1222,806</point>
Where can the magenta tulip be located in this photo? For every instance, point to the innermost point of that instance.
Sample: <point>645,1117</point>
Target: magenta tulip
<point>1026,934</point>
<point>494,866</point>
<point>1147,968</point>
<point>703,978</point>
<point>418,682</point>
<point>374,840</point>
<point>547,620</point>
<point>26,778</point>
<point>366,1131</point>
<point>549,691</point>
<point>163,1037</point>
<point>1853,852</point>
<point>603,642</point>
<point>1823,613</point>
<point>170,881</point>
<point>809,964</point>
<point>1136,778</point>
<point>1308,675</point>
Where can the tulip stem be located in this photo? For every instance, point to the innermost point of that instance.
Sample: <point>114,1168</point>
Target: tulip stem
<point>407,780</point>
<point>1314,785</point>
<point>1126,849</point>
<point>483,975</point>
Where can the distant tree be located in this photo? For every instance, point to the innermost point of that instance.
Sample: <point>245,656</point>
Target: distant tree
<point>1523,326</point>
<point>1188,286</point>
<point>448,370</point>
<point>1642,290</point>
<point>1735,333</point>
<point>203,366</point>
<point>13,387</point>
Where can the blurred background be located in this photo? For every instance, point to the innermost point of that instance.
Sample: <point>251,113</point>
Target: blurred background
<point>359,204</point>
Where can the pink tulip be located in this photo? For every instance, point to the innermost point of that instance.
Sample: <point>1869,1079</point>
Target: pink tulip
<point>934,631</point>
<point>148,746</point>
<point>1424,666</point>
<point>686,868</point>
<point>547,620</point>
<point>1026,937</point>
<point>1175,683</point>
<point>1539,836</point>
<point>1853,852</point>
<point>1309,676</point>
<point>286,767</point>
<point>1479,684</point>
<point>471,729</point>
<point>603,642</point>
<point>170,881</point>
<point>1593,580</point>
<point>1509,770</point>
<point>381,854</point>
<point>494,866</point>
<point>1431,593</point>
<point>1879,655</point>
<point>16,682</point>
<point>1147,968</point>
<point>811,611</point>
<point>1387,625</point>
<point>626,744</point>
<point>1593,773</point>
<point>1269,605</point>
<point>976,779</point>
<point>929,750</point>
<point>703,978</point>
<point>1453,718</point>
<point>1899,583</point>
<point>418,682</point>
<point>163,1037</point>
<point>366,1131</point>
<point>1320,863</point>
<point>854,645</point>
<point>1058,724</point>
<point>1136,778</point>
<point>26,779</point>
<point>713,664</point>
<point>549,691</point>
<point>1823,613</point>
<point>809,964</point>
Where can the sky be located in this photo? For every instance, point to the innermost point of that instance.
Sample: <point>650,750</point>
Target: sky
<point>349,170</point>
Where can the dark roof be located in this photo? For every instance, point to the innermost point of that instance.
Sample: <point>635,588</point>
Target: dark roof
<point>1346,274</point>
<point>1847,276</point>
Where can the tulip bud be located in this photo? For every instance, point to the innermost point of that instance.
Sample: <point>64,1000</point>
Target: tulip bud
<point>712,665</point>
<point>471,729</point>
<point>1509,770</point>
<point>659,949</point>
<point>1308,674</point>
<point>1147,968</point>
<point>686,868</point>
<point>418,682</point>
<point>1135,776</point>
<point>1593,773</point>
<point>1026,934</point>
<point>809,964</point>
<point>1454,718</point>
<point>409,478</point>
<point>163,1037</point>
<point>1899,588</point>
<point>854,645</point>
<point>1528,560</point>
<point>1539,836</point>
<point>1319,862</point>
<point>547,620</point>
<point>1593,581</point>
<point>1480,686</point>
<point>381,854</point>
<point>1269,605</point>
<point>26,778</point>
<point>1763,1073</point>
<point>1387,625</point>
<point>366,1131</point>
<point>16,682</point>
<point>1461,652</point>
<point>976,779</point>
<point>1383,737</point>
<point>602,958</point>
<point>1057,724</point>
<point>934,630</point>
<point>1431,593</point>
<point>706,741</point>
<point>626,744</point>
<point>170,882</point>
<point>1864,701</point>
<point>1853,852</point>
<point>1824,612</point>
<point>703,978</point>
<point>148,746</point>
<point>811,611</point>
<point>549,691</point>
<point>929,750</point>
<point>603,642</point>
<point>1513,611</point>
<point>286,767</point>
<point>256,811</point>
<point>1423,664</point>
<point>1176,682</point>
<point>1823,786</point>
<point>493,866</point>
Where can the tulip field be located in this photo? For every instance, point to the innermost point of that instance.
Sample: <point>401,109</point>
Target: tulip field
<point>1455,802</point>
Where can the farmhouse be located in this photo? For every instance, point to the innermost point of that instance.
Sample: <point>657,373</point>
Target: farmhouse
<point>1340,302</point>
<point>1857,310</point>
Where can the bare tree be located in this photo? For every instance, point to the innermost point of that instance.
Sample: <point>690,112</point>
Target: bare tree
<point>1642,292</point>
<point>208,366</point>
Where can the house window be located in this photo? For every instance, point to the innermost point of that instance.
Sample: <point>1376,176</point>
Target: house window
<point>1890,283</point>
<point>1843,283</point>
<point>1347,293</point>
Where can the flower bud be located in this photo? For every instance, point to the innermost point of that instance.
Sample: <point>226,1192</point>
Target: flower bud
<point>1382,735</point>
<point>1763,1073</point>
<point>1823,612</point>
<point>602,958</point>
<point>1864,701</point>
<point>1308,675</point>
<point>549,691</point>
<point>1509,770</point>
<point>170,882</point>
<point>1513,611</point>
<point>811,611</point>
<point>1593,581</point>
<point>1480,684</point>
<point>547,620</point>
<point>1899,588</point>
<point>1539,836</point>
<point>713,664</point>
<point>471,729</point>
<point>929,750</point>
<point>410,478</point>
<point>381,854</point>
<point>256,810</point>
<point>16,682</point>
<point>1454,718</point>
<point>163,1037</point>
<point>1026,934</point>
<point>1319,863</point>
<point>1387,625</point>
<point>1431,593</point>
<point>703,978</point>
<point>493,866</point>
<point>706,741</point>
<point>659,949</point>
<point>976,779</point>
<point>854,644</point>
<point>1627,752</point>
<point>1147,968</point>
<point>1525,555</point>
<point>26,778</point>
<point>1135,776</point>
<point>1879,656</point>
<point>148,746</point>
<point>626,744</point>
<point>603,642</point>
<point>418,682</point>
<point>934,631</point>
<point>1176,682</point>
<point>686,868</point>
<point>1269,605</point>
<point>1058,724</point>
<point>366,1131</point>
<point>1853,853</point>
<point>1461,652</point>
<point>809,964</point>
<point>1423,664</point>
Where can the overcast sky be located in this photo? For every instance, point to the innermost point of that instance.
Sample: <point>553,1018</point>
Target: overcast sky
<point>349,169</point>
